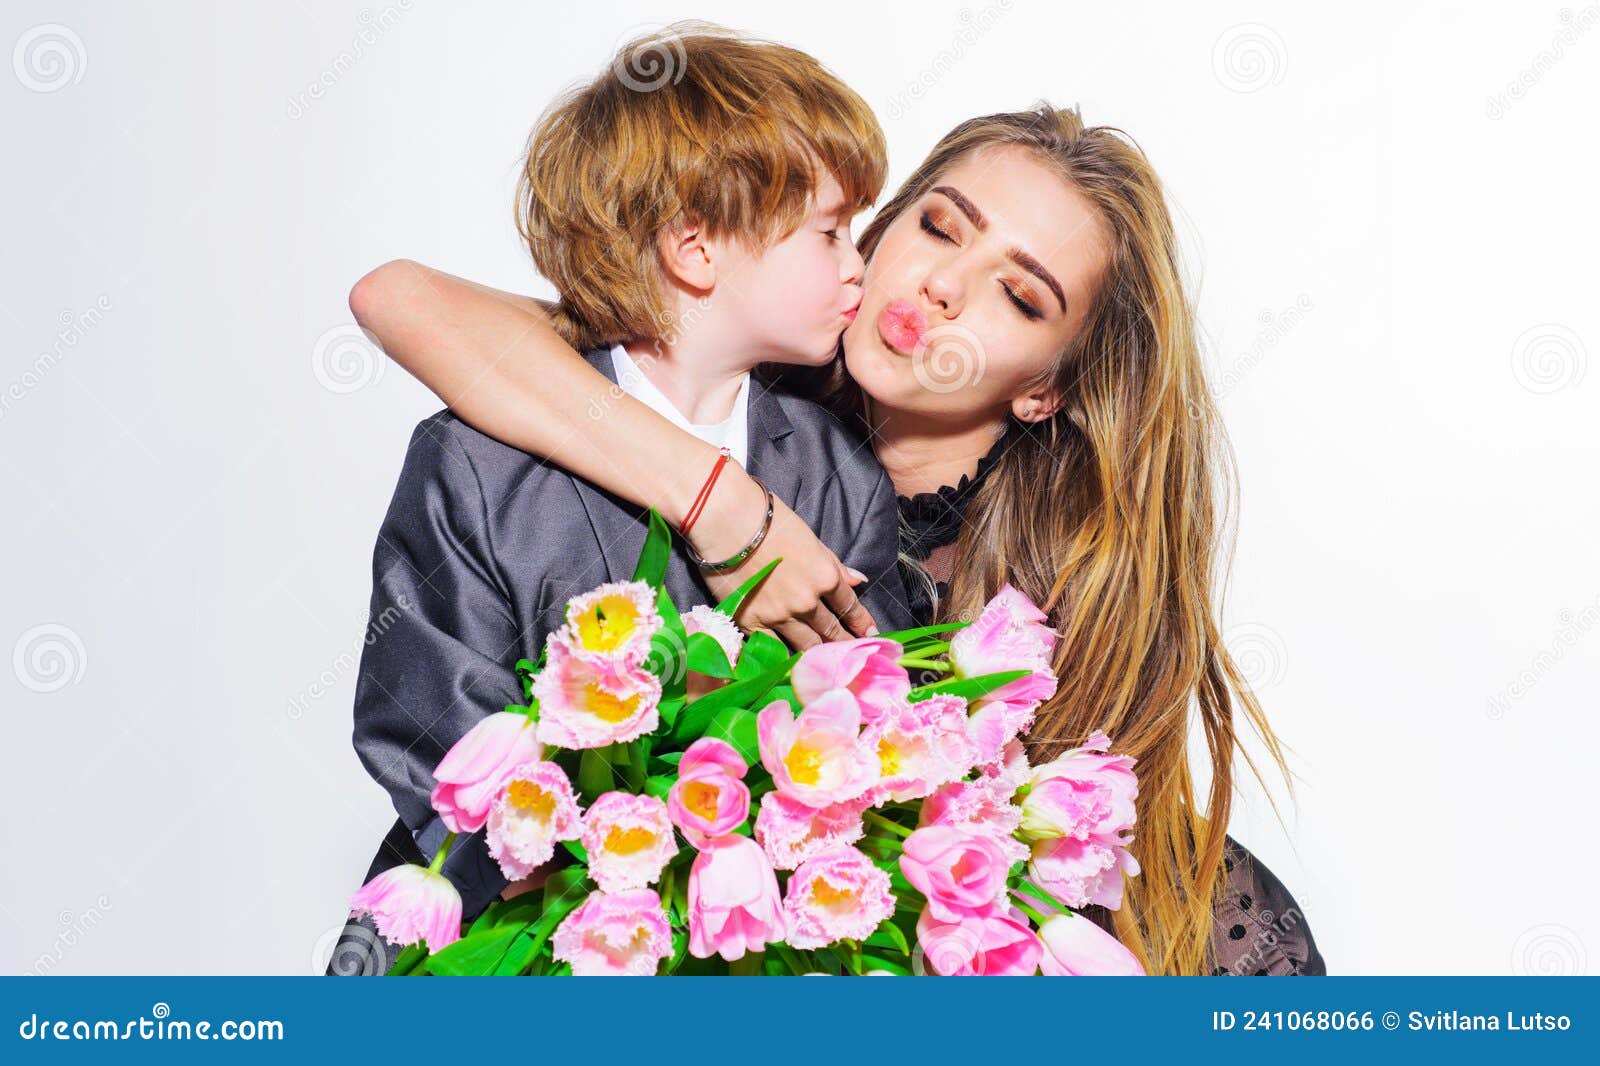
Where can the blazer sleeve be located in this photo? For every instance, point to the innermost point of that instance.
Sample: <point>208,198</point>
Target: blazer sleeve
<point>440,645</point>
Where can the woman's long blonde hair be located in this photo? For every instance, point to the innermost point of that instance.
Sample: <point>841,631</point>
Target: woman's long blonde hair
<point>1107,516</point>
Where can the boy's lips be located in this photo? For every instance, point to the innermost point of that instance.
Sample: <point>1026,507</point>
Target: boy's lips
<point>850,315</point>
<point>902,325</point>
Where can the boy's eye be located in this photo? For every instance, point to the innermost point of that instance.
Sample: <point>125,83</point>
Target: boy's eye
<point>1028,310</point>
<point>831,234</point>
<point>932,228</point>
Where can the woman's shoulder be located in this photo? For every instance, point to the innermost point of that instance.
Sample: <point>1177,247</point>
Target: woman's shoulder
<point>1260,929</point>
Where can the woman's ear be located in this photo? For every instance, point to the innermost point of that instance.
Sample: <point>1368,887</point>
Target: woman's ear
<point>686,255</point>
<point>1036,406</point>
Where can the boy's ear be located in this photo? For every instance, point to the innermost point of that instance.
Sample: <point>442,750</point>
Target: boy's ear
<point>687,256</point>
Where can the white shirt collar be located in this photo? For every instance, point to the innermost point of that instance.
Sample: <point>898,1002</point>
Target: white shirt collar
<point>732,432</point>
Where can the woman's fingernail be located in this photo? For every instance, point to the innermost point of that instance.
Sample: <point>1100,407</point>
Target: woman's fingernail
<point>872,631</point>
<point>853,572</point>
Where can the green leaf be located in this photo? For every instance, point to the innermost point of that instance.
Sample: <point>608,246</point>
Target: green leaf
<point>968,688</point>
<point>658,785</point>
<point>888,935</point>
<point>707,657</point>
<point>905,636</point>
<point>878,962</point>
<point>520,910</point>
<point>697,715</point>
<point>408,960</point>
<point>476,953</point>
<point>737,726</point>
<point>761,652</point>
<point>653,556</point>
<point>669,709</point>
<point>577,849</point>
<point>736,598</point>
<point>595,775</point>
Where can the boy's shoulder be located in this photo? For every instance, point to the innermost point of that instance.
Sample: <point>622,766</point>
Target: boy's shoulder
<point>825,441</point>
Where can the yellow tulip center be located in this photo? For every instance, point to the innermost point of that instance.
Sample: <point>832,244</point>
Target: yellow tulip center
<point>805,764</point>
<point>701,799</point>
<point>532,799</point>
<point>620,841</point>
<point>608,624</point>
<point>829,895</point>
<point>608,706</point>
<point>889,757</point>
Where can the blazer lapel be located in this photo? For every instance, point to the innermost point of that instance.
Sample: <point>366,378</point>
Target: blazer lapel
<point>772,453</point>
<point>615,529</point>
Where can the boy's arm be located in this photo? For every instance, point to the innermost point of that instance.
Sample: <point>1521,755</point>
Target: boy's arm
<point>495,359</point>
<point>440,646</point>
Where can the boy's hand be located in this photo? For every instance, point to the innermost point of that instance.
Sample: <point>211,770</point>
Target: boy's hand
<point>809,599</point>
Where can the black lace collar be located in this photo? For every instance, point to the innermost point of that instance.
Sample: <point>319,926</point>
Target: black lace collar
<point>932,519</point>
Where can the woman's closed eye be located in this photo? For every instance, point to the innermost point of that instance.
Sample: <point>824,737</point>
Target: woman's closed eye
<point>1024,306</point>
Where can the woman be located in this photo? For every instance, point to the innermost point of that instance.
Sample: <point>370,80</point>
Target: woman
<point>1025,366</point>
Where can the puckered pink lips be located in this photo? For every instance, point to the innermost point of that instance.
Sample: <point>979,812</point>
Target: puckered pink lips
<point>902,325</point>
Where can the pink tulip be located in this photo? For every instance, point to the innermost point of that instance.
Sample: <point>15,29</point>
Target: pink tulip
<point>1076,947</point>
<point>983,807</point>
<point>477,767</point>
<point>839,895</point>
<point>615,934</point>
<point>791,832</point>
<point>411,903</point>
<point>733,900</point>
<point>584,706</point>
<point>994,942</point>
<point>1079,873</point>
<point>1082,793</point>
<point>718,626</point>
<point>709,800</point>
<point>628,839</point>
<point>534,812</point>
<point>1009,634</point>
<point>920,746</point>
<point>611,626</point>
<point>958,871</point>
<point>817,758</point>
<point>868,668</point>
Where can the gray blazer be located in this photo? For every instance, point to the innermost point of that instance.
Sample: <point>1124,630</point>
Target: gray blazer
<point>482,547</point>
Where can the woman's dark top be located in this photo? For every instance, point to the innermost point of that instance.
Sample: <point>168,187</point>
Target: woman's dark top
<point>1259,929</point>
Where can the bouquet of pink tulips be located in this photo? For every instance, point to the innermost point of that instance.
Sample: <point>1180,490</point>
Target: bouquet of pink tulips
<point>816,813</point>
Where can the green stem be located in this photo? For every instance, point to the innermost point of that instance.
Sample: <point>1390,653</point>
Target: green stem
<point>1029,911</point>
<point>443,853</point>
<point>927,664</point>
<point>879,820</point>
<point>935,648</point>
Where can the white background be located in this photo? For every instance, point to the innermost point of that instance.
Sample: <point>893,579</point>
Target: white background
<point>1394,253</point>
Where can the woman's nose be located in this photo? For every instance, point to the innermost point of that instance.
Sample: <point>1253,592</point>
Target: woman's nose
<point>944,289</point>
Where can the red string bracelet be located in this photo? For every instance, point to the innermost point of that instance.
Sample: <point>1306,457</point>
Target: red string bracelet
<point>699,503</point>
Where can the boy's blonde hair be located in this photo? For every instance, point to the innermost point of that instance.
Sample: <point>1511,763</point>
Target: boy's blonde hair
<point>691,121</point>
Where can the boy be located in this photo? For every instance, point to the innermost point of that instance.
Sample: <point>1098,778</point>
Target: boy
<point>694,227</point>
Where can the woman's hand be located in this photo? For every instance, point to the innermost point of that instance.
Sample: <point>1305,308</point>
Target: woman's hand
<point>809,598</point>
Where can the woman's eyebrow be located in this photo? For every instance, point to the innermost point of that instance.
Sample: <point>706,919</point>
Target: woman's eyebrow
<point>1016,255</point>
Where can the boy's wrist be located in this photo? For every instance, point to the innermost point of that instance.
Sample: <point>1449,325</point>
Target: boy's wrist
<point>731,514</point>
